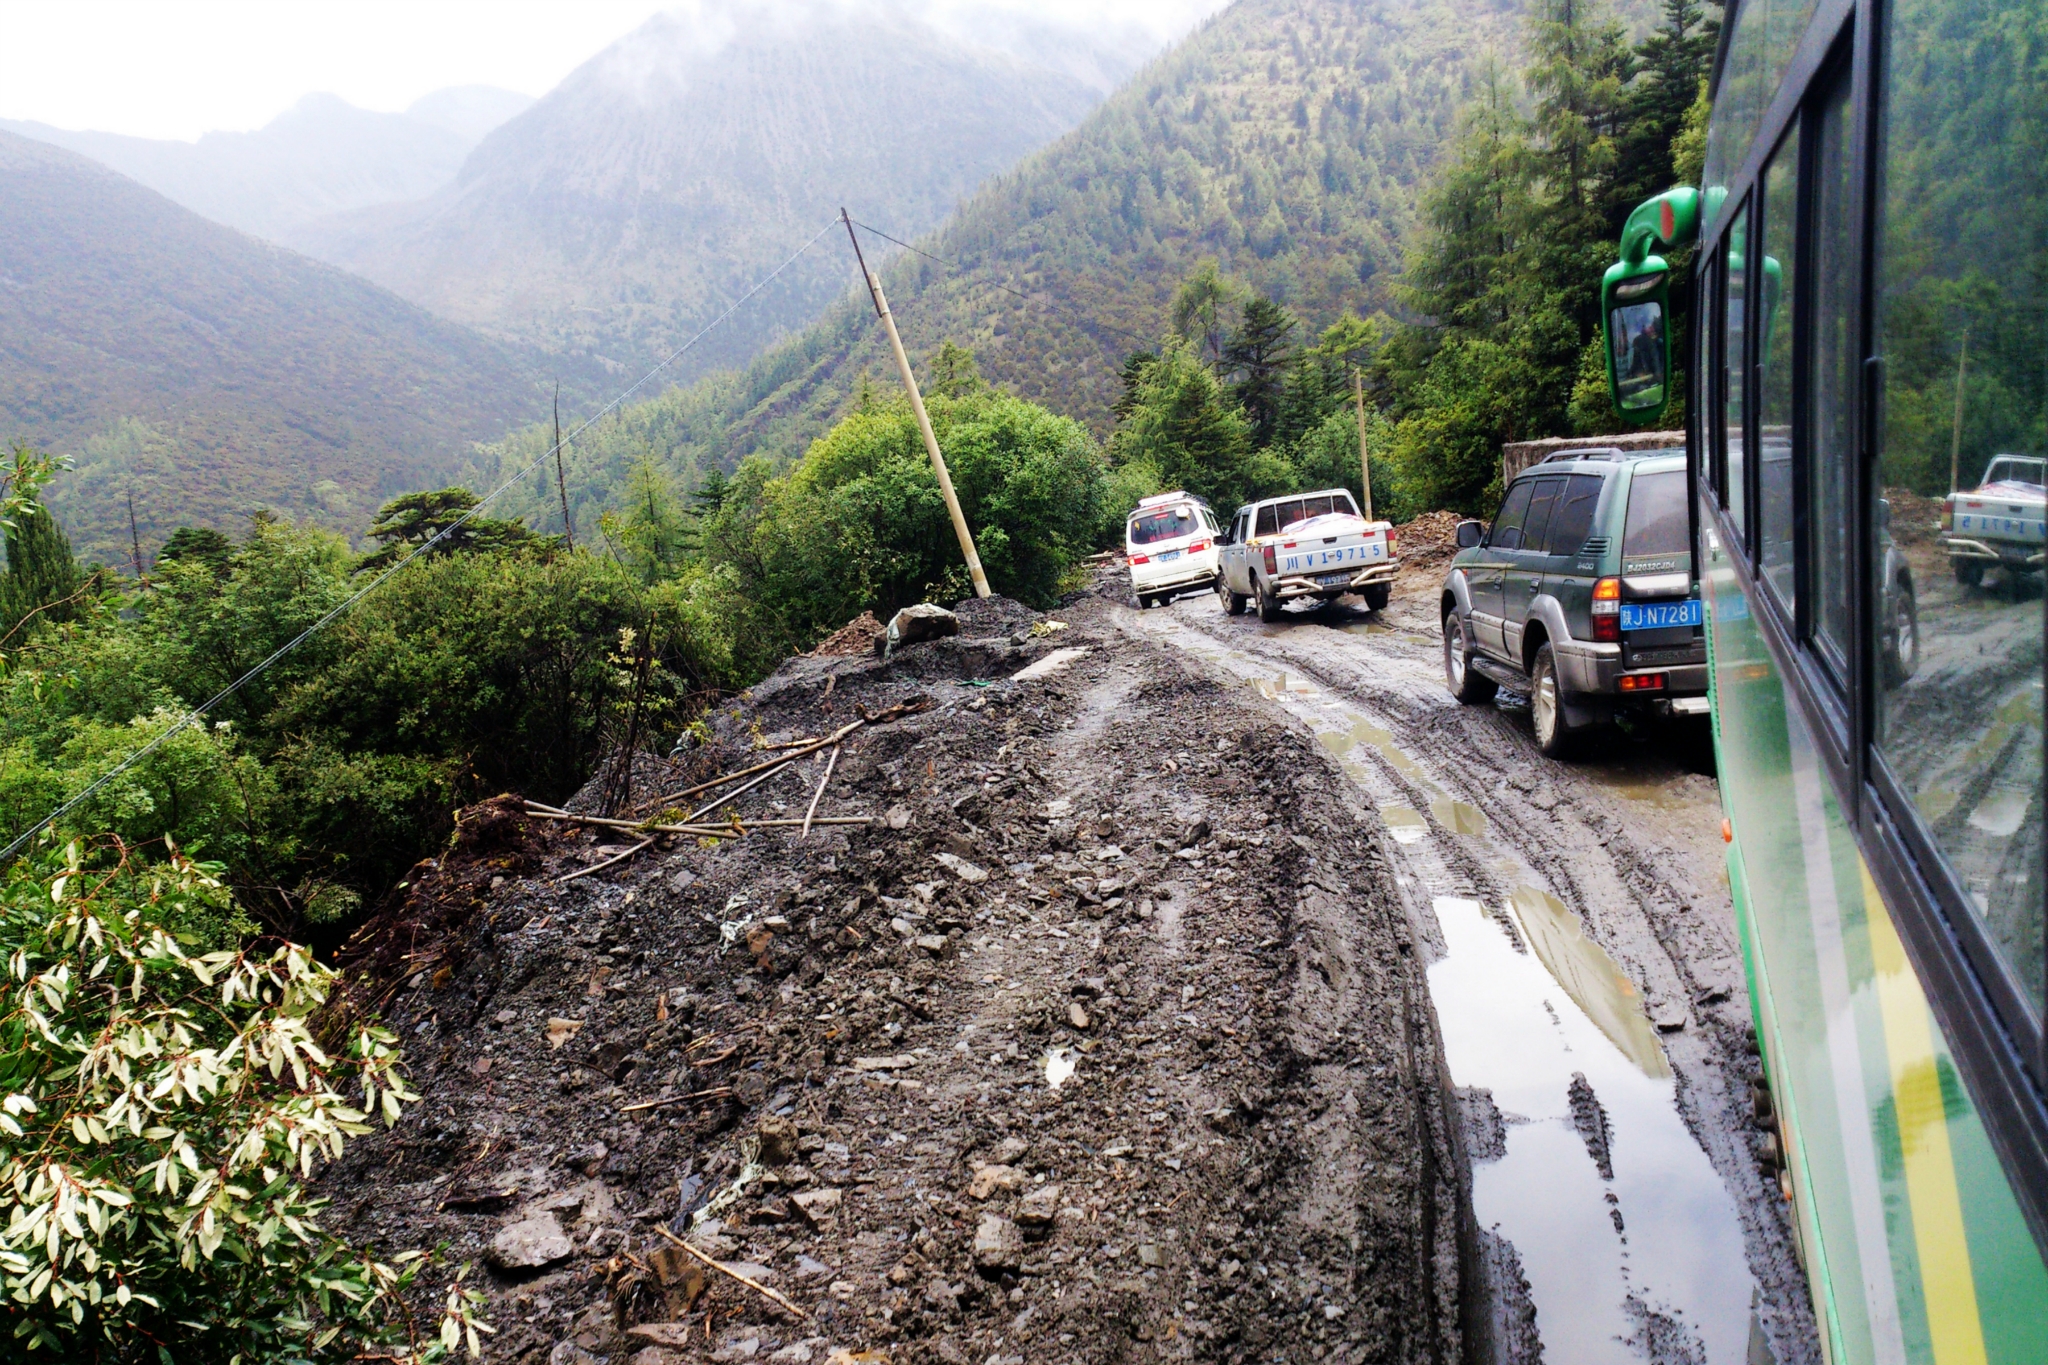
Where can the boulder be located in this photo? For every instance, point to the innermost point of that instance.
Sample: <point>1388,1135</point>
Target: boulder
<point>991,1180</point>
<point>914,624</point>
<point>533,1243</point>
<point>998,1244</point>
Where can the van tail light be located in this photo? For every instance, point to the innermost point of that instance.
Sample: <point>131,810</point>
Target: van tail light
<point>1141,559</point>
<point>1607,610</point>
<point>1198,547</point>
<point>1642,682</point>
<point>1272,561</point>
<point>1948,513</point>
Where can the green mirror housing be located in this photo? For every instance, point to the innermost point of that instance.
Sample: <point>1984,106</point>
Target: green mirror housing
<point>1635,304</point>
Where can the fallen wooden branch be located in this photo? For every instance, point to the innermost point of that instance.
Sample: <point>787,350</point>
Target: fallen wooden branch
<point>819,794</point>
<point>752,1284</point>
<point>705,829</point>
<point>608,862</point>
<point>805,749</point>
<point>717,1092</point>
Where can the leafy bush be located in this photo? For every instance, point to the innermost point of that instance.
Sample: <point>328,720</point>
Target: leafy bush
<point>163,1102</point>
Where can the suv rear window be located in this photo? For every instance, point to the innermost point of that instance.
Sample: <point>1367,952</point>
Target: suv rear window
<point>1656,516</point>
<point>1278,516</point>
<point>1163,523</point>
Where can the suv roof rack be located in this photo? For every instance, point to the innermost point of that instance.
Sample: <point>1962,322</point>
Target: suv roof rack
<point>1612,454</point>
<point>1176,496</point>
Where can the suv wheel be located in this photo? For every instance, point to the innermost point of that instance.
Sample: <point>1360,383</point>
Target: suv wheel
<point>1269,604</point>
<point>1554,736</point>
<point>1902,637</point>
<point>1467,684</point>
<point>1233,602</point>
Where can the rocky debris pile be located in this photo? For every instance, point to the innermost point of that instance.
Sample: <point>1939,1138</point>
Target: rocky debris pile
<point>856,637</point>
<point>1427,544</point>
<point>1104,1042</point>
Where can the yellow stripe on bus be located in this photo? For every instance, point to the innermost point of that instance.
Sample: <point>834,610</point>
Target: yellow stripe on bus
<point>1946,1281</point>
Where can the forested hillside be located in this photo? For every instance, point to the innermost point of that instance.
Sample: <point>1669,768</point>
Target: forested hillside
<point>321,156</point>
<point>1288,140</point>
<point>209,374</point>
<point>644,193</point>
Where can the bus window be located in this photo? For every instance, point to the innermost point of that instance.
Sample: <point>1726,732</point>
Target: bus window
<point>1831,396</point>
<point>1776,247</point>
<point>1963,327</point>
<point>1733,309</point>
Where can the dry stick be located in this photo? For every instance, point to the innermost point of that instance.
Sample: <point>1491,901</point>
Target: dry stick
<point>599,867</point>
<point>819,794</point>
<point>754,1285</point>
<point>736,793</point>
<point>644,827</point>
<point>716,1092</point>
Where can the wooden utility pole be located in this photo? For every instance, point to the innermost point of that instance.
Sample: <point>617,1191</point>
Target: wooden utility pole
<point>134,535</point>
<point>1364,460</point>
<point>924,422</point>
<point>1955,435</point>
<point>561,484</point>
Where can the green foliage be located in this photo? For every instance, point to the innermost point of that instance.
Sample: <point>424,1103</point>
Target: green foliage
<point>464,675</point>
<point>1521,222</point>
<point>201,543</point>
<point>952,372</point>
<point>859,523</point>
<point>165,1105</point>
<point>438,519</point>
<point>651,533</point>
<point>42,579</point>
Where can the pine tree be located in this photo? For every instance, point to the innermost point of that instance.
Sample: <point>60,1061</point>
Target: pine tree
<point>953,371</point>
<point>1673,61</point>
<point>1256,357</point>
<point>42,577</point>
<point>1476,214</point>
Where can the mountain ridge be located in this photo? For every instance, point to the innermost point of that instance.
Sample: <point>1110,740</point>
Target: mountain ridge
<point>213,374</point>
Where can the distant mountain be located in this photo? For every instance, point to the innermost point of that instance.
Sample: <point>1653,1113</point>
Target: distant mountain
<point>1289,140</point>
<point>212,374</point>
<point>640,197</point>
<point>320,157</point>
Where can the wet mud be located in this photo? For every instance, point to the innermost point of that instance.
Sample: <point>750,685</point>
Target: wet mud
<point>1586,976</point>
<point>1111,1041</point>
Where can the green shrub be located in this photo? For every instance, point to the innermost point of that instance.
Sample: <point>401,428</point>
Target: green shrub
<point>163,1102</point>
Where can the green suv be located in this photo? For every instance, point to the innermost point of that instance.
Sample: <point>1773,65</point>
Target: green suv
<point>1580,595</point>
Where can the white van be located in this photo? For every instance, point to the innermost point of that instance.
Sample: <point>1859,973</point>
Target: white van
<point>1170,543</point>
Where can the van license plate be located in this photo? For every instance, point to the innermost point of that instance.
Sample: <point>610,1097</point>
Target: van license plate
<point>1170,554</point>
<point>1661,615</point>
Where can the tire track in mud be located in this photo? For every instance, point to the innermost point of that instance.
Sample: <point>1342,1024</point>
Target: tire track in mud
<point>1623,841</point>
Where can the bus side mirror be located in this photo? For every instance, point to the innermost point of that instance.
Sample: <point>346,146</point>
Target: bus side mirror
<point>1470,533</point>
<point>1635,304</point>
<point>1635,317</point>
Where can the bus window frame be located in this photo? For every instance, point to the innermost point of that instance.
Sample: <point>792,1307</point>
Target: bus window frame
<point>2003,1057</point>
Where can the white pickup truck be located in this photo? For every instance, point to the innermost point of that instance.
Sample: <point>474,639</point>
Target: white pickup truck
<point>2003,522</point>
<point>1305,545</point>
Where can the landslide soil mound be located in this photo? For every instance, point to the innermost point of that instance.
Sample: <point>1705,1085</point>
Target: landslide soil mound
<point>828,1064</point>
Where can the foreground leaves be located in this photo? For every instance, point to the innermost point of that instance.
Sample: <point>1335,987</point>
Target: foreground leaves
<point>161,1106</point>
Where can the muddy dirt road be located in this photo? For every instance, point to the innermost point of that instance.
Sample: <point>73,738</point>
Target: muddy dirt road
<point>1587,980</point>
<point>1110,1042</point>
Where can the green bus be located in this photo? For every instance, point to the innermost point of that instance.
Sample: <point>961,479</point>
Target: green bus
<point>1869,332</point>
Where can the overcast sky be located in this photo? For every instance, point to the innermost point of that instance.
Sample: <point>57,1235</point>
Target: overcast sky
<point>178,68</point>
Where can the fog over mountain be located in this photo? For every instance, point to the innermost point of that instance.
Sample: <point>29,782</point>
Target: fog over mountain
<point>321,156</point>
<point>640,197</point>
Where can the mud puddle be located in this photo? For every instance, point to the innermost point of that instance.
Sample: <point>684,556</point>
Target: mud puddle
<point>1627,1236</point>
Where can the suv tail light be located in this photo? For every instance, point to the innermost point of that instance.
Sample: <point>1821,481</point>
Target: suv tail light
<point>1272,561</point>
<point>1141,559</point>
<point>1607,610</point>
<point>1642,682</point>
